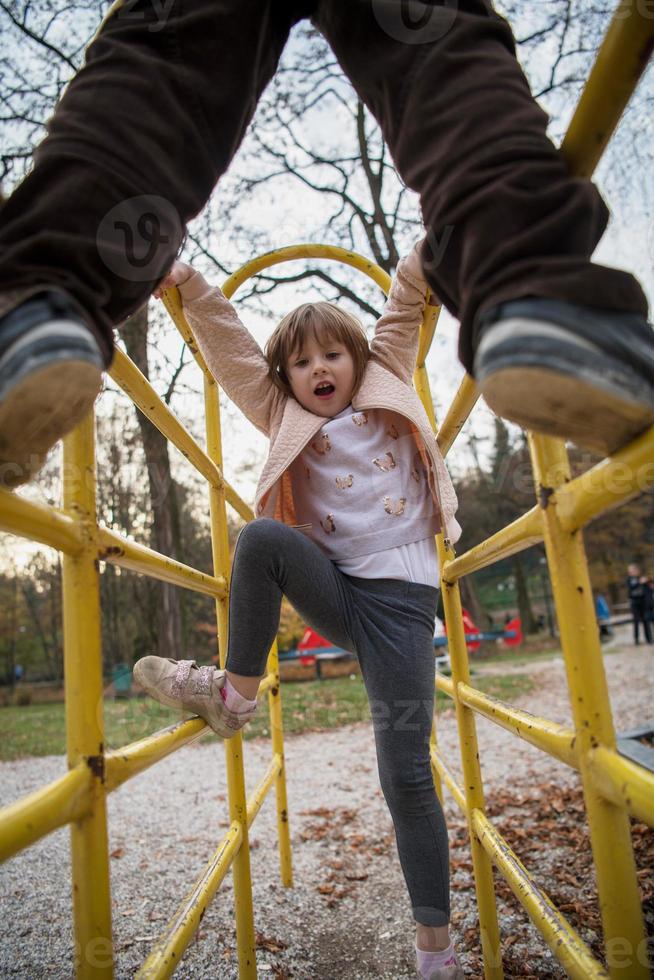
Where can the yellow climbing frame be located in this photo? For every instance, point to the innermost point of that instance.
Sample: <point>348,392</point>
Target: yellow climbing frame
<point>614,788</point>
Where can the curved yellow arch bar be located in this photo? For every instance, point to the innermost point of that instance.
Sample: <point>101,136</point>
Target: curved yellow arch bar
<point>306,251</point>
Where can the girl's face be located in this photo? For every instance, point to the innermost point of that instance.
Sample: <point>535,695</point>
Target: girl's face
<point>321,376</point>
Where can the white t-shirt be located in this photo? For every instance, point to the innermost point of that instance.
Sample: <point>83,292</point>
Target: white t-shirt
<point>361,484</point>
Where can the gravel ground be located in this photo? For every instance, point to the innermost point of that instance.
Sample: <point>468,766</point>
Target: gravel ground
<point>347,915</point>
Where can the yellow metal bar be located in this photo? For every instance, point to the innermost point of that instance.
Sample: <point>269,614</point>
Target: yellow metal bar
<point>556,740</point>
<point>39,523</point>
<point>610,837</point>
<point>620,62</point>
<point>172,300</point>
<point>566,944</point>
<point>474,791</point>
<point>136,386</point>
<point>445,684</point>
<point>427,329</point>
<point>448,778</point>
<point>274,688</point>
<point>609,484</point>
<point>84,712</point>
<point>266,683</point>
<point>306,251</point>
<point>122,764</point>
<point>167,951</point>
<point>239,505</point>
<point>245,939</point>
<point>256,800</point>
<point>623,782</point>
<point>27,820</point>
<point>118,550</point>
<point>421,384</point>
<point>173,303</point>
<point>520,534</point>
<point>463,403</point>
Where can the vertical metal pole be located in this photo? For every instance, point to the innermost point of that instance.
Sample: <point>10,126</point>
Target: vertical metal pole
<point>474,789</point>
<point>610,835</point>
<point>245,939</point>
<point>283,828</point>
<point>84,712</point>
<point>421,384</point>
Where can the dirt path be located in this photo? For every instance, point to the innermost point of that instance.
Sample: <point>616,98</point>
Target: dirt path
<point>347,915</point>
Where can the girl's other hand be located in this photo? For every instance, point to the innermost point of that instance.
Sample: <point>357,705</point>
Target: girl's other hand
<point>179,273</point>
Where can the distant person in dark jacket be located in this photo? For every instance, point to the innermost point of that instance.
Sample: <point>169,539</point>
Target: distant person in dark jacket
<point>649,600</point>
<point>640,597</point>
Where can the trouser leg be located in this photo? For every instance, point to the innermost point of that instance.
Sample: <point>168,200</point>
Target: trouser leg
<point>396,653</point>
<point>390,627</point>
<point>134,150</point>
<point>271,560</point>
<point>505,220</point>
<point>636,616</point>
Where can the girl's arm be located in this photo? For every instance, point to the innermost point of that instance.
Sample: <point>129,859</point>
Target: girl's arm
<point>232,354</point>
<point>395,343</point>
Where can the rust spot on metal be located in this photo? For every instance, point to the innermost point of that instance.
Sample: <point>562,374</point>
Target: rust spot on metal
<point>284,816</point>
<point>112,551</point>
<point>274,691</point>
<point>580,589</point>
<point>544,494</point>
<point>96,765</point>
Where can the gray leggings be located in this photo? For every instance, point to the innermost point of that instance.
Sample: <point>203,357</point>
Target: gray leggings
<point>389,624</point>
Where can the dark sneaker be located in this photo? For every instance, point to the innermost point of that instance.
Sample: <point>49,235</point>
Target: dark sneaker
<point>569,371</point>
<point>182,684</point>
<point>50,373</point>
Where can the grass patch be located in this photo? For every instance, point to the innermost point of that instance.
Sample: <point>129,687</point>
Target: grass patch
<point>513,657</point>
<point>39,729</point>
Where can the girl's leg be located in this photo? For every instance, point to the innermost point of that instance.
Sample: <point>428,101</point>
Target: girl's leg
<point>395,645</point>
<point>271,560</point>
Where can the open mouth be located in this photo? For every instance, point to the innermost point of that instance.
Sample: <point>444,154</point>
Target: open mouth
<point>324,389</point>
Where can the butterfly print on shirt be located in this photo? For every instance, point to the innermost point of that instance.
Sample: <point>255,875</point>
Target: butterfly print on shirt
<point>360,419</point>
<point>343,482</point>
<point>385,463</point>
<point>328,525</point>
<point>394,509</point>
<point>392,432</point>
<point>322,445</point>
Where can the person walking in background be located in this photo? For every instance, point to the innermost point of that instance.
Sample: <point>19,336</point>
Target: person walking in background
<point>638,591</point>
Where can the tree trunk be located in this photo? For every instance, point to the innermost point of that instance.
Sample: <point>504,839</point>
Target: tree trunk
<point>524,603</point>
<point>166,536</point>
<point>470,601</point>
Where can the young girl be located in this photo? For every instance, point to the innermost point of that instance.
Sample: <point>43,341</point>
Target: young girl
<point>350,498</point>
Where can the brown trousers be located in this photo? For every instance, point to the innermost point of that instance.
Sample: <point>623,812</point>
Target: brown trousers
<point>169,86</point>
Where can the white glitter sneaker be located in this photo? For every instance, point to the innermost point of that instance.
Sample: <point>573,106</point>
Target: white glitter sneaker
<point>182,684</point>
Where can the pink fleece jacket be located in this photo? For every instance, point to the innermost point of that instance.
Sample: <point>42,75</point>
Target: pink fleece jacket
<point>237,362</point>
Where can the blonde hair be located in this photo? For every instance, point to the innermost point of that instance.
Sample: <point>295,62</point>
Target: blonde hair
<point>315,320</point>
